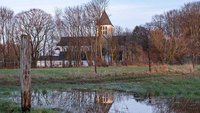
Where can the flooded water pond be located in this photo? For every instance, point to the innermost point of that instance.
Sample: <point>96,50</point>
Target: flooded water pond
<point>80,101</point>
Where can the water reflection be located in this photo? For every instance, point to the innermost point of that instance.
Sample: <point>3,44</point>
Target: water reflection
<point>77,101</point>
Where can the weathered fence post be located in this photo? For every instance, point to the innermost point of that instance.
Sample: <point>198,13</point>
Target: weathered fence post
<point>25,76</point>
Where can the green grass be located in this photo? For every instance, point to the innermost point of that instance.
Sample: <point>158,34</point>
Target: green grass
<point>9,72</point>
<point>129,79</point>
<point>100,70</point>
<point>65,71</point>
<point>168,84</point>
<point>11,107</point>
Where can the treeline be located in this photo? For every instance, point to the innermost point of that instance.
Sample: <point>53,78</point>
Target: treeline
<point>77,22</point>
<point>44,30</point>
<point>35,23</point>
<point>170,38</point>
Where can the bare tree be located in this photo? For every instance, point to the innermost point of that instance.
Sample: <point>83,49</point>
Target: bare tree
<point>6,34</point>
<point>190,22</point>
<point>118,31</point>
<point>171,28</point>
<point>80,21</point>
<point>35,23</point>
<point>157,45</point>
<point>142,37</point>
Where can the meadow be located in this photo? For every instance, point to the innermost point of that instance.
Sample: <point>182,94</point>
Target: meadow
<point>174,81</point>
<point>167,81</point>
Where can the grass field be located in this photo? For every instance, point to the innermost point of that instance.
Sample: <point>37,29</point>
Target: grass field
<point>65,71</point>
<point>131,79</point>
<point>177,81</point>
<point>10,107</point>
<point>100,70</point>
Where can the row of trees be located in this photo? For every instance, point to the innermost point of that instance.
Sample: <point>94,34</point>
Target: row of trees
<point>36,23</point>
<point>172,37</point>
<point>80,21</point>
<point>45,30</point>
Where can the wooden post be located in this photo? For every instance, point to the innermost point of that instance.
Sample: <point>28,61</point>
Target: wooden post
<point>25,76</point>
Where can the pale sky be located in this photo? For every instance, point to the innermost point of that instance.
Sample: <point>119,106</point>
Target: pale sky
<point>125,13</point>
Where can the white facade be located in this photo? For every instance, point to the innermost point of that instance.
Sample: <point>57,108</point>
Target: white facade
<point>58,63</point>
<point>55,63</point>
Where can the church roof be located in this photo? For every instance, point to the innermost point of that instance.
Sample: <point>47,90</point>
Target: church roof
<point>104,20</point>
<point>72,41</point>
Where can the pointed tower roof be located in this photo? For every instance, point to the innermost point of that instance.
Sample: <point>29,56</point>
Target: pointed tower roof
<point>104,20</point>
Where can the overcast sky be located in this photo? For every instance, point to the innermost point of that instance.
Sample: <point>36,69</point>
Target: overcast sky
<point>125,13</point>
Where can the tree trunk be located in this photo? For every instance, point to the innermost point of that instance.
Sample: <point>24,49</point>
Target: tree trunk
<point>193,61</point>
<point>149,58</point>
<point>34,63</point>
<point>50,58</point>
<point>45,61</point>
<point>25,77</point>
<point>149,53</point>
<point>70,57</point>
<point>95,57</point>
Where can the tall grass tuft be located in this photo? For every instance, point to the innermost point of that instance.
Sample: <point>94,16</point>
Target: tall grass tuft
<point>187,68</point>
<point>160,68</point>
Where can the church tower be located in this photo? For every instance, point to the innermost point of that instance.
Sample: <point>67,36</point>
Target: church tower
<point>105,25</point>
<point>104,32</point>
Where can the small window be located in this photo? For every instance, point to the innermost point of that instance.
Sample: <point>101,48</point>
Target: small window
<point>104,30</point>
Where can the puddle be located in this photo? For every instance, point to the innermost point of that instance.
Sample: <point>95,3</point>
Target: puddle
<point>78,101</point>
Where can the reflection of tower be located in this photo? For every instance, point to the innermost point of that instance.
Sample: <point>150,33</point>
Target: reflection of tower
<point>103,101</point>
<point>104,30</point>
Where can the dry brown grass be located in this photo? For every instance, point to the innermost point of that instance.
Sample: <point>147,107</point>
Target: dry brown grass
<point>187,68</point>
<point>160,68</point>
